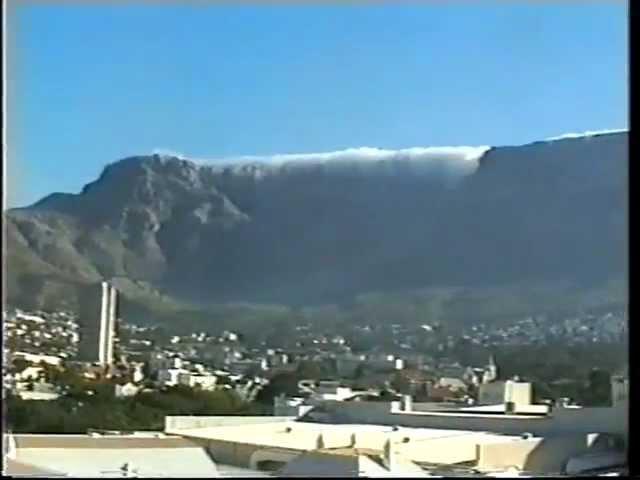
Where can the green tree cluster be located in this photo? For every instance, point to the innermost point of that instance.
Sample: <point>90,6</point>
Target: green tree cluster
<point>80,411</point>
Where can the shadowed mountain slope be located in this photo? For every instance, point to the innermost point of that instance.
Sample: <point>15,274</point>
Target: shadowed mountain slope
<point>320,232</point>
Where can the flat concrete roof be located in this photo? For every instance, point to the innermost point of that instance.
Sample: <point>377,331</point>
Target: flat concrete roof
<point>17,469</point>
<point>95,456</point>
<point>303,436</point>
<point>185,455</point>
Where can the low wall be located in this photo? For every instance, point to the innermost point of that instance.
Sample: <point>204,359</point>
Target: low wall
<point>175,423</point>
<point>562,421</point>
<point>559,421</point>
<point>434,406</point>
<point>381,413</point>
<point>534,409</point>
<point>535,455</point>
<point>63,441</point>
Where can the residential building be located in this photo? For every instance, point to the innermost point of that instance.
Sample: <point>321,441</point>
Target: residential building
<point>195,379</point>
<point>491,393</point>
<point>170,376</point>
<point>126,390</point>
<point>37,358</point>
<point>453,384</point>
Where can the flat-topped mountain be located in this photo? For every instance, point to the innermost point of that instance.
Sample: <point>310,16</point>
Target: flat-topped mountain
<point>321,228</point>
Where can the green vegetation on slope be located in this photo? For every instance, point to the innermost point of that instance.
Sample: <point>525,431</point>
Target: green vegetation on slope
<point>79,411</point>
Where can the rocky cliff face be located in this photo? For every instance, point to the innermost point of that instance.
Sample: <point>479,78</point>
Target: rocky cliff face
<point>305,232</point>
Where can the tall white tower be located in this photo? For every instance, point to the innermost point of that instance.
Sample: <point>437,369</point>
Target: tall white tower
<point>113,308</point>
<point>108,314</point>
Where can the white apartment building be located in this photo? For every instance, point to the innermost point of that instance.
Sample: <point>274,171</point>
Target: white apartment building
<point>203,380</point>
<point>170,376</point>
<point>37,358</point>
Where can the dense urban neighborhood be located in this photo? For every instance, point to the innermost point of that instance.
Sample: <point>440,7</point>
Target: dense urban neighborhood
<point>43,363</point>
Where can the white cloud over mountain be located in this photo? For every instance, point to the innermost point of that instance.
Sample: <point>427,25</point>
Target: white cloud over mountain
<point>589,133</point>
<point>448,161</point>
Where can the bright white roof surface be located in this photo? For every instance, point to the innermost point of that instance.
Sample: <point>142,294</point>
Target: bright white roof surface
<point>13,468</point>
<point>146,462</point>
<point>304,435</point>
<point>178,456</point>
<point>146,456</point>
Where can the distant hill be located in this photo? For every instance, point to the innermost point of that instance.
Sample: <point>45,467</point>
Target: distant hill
<point>320,231</point>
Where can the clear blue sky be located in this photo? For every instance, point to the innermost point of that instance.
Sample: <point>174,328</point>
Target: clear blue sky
<point>92,84</point>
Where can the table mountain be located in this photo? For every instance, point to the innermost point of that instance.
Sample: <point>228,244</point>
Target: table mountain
<point>323,230</point>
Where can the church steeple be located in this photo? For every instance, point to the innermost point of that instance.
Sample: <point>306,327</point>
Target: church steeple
<point>491,371</point>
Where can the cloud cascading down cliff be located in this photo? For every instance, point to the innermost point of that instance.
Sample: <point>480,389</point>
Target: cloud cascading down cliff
<point>448,163</point>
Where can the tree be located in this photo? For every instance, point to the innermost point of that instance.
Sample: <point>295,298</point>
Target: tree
<point>400,383</point>
<point>359,371</point>
<point>598,391</point>
<point>49,371</point>
<point>283,383</point>
<point>145,411</point>
<point>146,370</point>
<point>542,391</point>
<point>308,369</point>
<point>386,396</point>
<point>19,364</point>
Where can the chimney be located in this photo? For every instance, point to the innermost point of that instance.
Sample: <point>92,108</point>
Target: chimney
<point>406,405</point>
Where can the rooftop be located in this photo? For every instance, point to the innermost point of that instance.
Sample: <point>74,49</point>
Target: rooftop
<point>337,439</point>
<point>14,468</point>
<point>109,455</point>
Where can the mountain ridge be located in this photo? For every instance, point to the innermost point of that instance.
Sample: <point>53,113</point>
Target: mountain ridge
<point>545,211</point>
